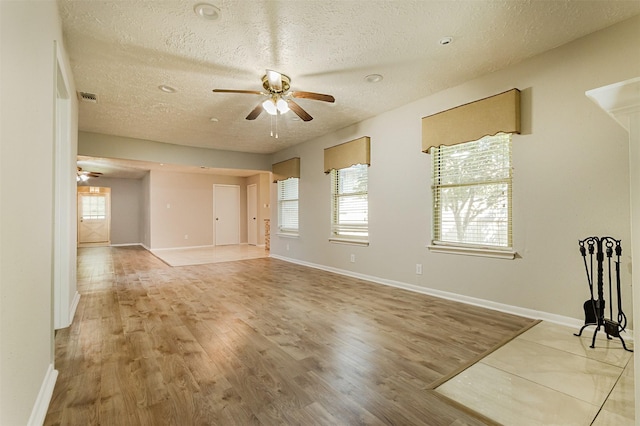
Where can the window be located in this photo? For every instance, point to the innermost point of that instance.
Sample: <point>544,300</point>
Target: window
<point>288,206</point>
<point>471,185</point>
<point>350,206</point>
<point>94,207</point>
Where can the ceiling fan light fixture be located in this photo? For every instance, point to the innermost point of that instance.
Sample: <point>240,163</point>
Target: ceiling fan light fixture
<point>207,11</point>
<point>270,107</point>
<point>282,106</point>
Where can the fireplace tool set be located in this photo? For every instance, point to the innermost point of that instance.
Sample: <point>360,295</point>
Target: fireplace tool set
<point>594,309</point>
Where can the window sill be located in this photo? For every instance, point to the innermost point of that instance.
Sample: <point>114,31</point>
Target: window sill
<point>473,251</point>
<point>287,235</point>
<point>349,241</point>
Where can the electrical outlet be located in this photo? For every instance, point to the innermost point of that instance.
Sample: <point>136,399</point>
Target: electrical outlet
<point>186,236</point>
<point>418,268</point>
<point>353,258</point>
<point>287,247</point>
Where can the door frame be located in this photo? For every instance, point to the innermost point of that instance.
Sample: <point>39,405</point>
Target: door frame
<point>94,191</point>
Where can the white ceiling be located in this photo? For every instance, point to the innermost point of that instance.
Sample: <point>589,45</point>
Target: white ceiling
<point>123,50</point>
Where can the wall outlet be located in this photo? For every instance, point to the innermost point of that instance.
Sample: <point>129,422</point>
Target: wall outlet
<point>287,247</point>
<point>186,236</point>
<point>418,268</point>
<point>353,258</point>
<point>168,205</point>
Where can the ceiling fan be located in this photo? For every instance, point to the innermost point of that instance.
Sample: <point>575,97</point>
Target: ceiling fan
<point>279,99</point>
<point>83,176</point>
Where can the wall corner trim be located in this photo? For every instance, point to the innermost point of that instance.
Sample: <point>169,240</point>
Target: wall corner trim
<point>41,406</point>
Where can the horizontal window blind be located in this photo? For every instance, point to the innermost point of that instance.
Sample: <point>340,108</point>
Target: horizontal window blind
<point>350,207</point>
<point>288,205</point>
<point>471,186</point>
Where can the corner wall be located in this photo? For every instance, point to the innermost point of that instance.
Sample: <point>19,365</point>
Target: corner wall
<point>571,181</point>
<point>28,31</point>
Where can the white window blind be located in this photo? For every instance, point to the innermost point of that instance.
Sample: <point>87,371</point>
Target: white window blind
<point>471,186</point>
<point>288,205</point>
<point>350,206</point>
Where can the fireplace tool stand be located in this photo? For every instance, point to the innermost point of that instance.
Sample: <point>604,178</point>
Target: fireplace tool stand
<point>594,309</point>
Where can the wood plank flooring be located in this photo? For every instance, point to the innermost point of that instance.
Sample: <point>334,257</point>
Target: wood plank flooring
<point>260,342</point>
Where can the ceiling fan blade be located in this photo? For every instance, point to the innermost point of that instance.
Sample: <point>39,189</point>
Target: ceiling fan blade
<point>248,92</point>
<point>314,96</point>
<point>256,112</point>
<point>94,174</point>
<point>275,80</point>
<point>304,115</point>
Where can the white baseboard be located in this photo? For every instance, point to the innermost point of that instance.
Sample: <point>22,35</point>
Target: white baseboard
<point>41,406</point>
<point>510,309</point>
<point>127,245</point>
<point>74,306</point>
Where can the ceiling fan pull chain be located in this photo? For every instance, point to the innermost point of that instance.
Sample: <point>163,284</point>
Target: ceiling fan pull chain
<point>277,114</point>
<point>271,125</point>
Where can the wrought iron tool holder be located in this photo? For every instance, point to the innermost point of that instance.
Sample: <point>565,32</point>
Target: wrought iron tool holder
<point>594,309</point>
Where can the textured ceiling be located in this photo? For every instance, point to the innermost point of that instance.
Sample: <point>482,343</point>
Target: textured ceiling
<point>123,50</point>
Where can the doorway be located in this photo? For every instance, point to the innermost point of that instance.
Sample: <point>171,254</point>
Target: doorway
<point>252,214</point>
<point>94,216</point>
<point>226,212</point>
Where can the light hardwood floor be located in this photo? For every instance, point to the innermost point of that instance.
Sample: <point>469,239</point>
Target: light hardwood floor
<point>259,341</point>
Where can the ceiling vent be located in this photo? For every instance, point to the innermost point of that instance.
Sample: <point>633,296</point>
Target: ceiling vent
<point>88,97</point>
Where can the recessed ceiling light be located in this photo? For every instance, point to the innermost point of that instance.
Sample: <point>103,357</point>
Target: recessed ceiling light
<point>166,89</point>
<point>373,78</point>
<point>214,120</point>
<point>445,40</point>
<point>207,11</point>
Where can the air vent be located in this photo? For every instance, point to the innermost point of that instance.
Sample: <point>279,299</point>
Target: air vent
<point>88,97</point>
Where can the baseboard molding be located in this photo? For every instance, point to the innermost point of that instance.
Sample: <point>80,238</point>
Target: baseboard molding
<point>41,406</point>
<point>74,306</point>
<point>483,303</point>
<point>127,245</point>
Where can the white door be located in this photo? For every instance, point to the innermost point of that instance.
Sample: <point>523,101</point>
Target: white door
<point>94,218</point>
<point>226,210</point>
<point>252,214</point>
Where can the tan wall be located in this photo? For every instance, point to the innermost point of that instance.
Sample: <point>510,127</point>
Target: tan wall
<point>264,211</point>
<point>571,181</point>
<point>182,204</point>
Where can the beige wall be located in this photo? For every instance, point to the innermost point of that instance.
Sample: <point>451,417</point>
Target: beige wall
<point>110,146</point>
<point>27,97</point>
<point>182,204</point>
<point>571,180</point>
<point>262,181</point>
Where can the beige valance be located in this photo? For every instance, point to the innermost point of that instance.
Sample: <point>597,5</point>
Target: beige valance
<point>345,155</point>
<point>473,121</point>
<point>286,169</point>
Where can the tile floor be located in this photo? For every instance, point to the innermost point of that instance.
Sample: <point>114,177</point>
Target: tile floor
<point>210,254</point>
<point>547,376</point>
